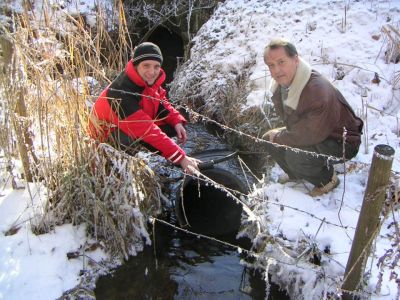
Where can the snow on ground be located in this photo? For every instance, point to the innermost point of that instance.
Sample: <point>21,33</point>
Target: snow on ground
<point>343,40</point>
<point>36,267</point>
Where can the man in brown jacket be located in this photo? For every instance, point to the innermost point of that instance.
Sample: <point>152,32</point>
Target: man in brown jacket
<point>316,116</point>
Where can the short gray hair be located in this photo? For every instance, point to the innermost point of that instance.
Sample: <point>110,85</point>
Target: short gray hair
<point>289,48</point>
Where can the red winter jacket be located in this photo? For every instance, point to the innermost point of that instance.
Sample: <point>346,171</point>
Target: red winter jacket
<point>137,109</point>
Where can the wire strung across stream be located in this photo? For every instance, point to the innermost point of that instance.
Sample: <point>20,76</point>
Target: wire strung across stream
<point>252,253</point>
<point>330,158</point>
<point>333,159</point>
<point>210,164</point>
<point>206,180</point>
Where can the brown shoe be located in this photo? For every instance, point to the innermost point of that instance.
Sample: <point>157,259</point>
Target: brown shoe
<point>319,191</point>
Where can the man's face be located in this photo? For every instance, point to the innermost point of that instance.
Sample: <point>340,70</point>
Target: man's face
<point>282,67</point>
<point>149,70</point>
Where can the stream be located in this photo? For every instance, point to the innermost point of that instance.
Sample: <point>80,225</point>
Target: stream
<point>179,265</point>
<point>183,266</point>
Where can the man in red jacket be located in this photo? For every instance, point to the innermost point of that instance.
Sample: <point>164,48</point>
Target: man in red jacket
<point>134,108</point>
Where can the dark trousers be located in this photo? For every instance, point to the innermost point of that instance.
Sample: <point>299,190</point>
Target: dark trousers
<point>121,141</point>
<point>312,168</point>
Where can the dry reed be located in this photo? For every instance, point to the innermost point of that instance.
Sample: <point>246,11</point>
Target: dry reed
<point>52,76</point>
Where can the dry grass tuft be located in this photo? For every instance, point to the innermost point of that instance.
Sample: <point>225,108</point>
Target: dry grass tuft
<point>111,192</point>
<point>51,75</point>
<point>392,53</point>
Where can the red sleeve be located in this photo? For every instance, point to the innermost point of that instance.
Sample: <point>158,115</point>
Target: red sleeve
<point>101,118</point>
<point>140,126</point>
<point>174,117</point>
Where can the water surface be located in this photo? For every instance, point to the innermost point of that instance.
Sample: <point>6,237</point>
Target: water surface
<point>183,266</point>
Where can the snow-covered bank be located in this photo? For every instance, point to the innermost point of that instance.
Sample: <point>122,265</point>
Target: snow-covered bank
<point>37,266</point>
<point>336,41</point>
<point>350,43</point>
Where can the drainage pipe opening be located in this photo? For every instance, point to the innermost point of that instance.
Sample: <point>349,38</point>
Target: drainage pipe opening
<point>207,209</point>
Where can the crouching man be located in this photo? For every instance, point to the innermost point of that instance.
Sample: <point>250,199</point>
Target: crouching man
<point>134,108</point>
<point>316,116</point>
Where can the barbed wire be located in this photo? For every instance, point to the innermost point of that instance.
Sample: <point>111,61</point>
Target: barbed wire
<point>203,118</point>
<point>314,268</point>
<point>329,158</point>
<point>257,140</point>
<point>208,180</point>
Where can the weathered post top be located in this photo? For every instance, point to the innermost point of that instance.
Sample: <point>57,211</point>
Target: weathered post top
<point>386,151</point>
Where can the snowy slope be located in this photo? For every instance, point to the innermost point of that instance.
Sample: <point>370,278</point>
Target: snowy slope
<point>344,40</point>
<point>231,42</point>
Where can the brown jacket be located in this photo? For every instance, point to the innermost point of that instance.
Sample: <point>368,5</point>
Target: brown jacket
<point>322,112</point>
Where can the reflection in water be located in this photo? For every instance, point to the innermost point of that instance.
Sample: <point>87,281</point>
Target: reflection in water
<point>182,266</point>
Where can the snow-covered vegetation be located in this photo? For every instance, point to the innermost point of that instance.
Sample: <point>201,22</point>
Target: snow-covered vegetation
<point>55,62</point>
<point>356,45</point>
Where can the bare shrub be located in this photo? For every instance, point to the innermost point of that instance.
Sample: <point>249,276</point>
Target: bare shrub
<point>221,100</point>
<point>392,41</point>
<point>109,191</point>
<point>56,75</point>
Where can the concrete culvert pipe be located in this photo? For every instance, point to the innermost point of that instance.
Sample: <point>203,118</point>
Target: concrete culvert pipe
<point>206,209</point>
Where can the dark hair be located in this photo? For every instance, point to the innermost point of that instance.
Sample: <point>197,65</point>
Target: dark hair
<point>289,48</point>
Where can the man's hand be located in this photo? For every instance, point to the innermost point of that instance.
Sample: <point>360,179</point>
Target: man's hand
<point>270,134</point>
<point>181,133</point>
<point>190,165</point>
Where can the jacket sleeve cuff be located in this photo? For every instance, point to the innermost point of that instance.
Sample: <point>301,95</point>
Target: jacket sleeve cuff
<point>176,157</point>
<point>181,120</point>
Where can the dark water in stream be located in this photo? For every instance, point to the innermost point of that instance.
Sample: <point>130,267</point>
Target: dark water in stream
<point>179,265</point>
<point>183,266</point>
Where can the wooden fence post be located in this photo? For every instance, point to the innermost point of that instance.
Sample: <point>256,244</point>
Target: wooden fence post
<point>368,221</point>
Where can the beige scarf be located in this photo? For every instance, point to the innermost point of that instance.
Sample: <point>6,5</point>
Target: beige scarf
<point>300,80</point>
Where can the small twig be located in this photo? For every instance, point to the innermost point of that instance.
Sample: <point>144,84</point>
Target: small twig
<point>154,242</point>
